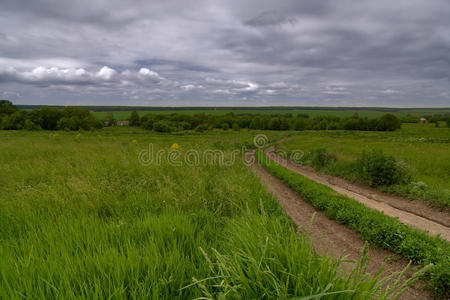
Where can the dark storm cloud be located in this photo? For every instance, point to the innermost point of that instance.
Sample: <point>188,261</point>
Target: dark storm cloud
<point>253,52</point>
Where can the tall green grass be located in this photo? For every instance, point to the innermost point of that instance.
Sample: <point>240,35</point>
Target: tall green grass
<point>80,217</point>
<point>374,226</point>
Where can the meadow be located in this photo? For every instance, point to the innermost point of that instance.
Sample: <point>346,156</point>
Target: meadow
<point>422,148</point>
<point>82,217</point>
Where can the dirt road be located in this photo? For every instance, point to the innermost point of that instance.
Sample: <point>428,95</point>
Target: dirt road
<point>331,237</point>
<point>415,214</point>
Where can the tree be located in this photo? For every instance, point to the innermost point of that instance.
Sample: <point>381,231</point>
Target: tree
<point>90,122</point>
<point>134,119</point>
<point>388,122</point>
<point>162,126</point>
<point>76,111</point>
<point>14,121</point>
<point>300,124</point>
<point>110,119</point>
<point>7,108</point>
<point>66,123</point>
<point>49,117</point>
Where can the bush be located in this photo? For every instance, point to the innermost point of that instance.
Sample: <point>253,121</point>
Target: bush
<point>162,126</point>
<point>377,169</point>
<point>30,125</point>
<point>6,108</point>
<point>300,124</point>
<point>184,125</point>
<point>410,119</point>
<point>147,124</point>
<point>321,158</point>
<point>202,127</point>
<point>388,122</point>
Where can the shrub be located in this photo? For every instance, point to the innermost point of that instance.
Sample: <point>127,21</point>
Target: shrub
<point>147,124</point>
<point>30,125</point>
<point>162,126</point>
<point>388,122</point>
<point>202,127</point>
<point>377,169</point>
<point>410,119</point>
<point>6,108</point>
<point>300,124</point>
<point>321,158</point>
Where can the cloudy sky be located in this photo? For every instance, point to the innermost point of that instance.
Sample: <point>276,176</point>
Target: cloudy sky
<point>228,53</point>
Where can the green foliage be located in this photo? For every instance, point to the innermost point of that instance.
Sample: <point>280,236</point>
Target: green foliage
<point>321,158</point>
<point>30,125</point>
<point>163,126</point>
<point>202,128</point>
<point>15,121</point>
<point>300,124</point>
<point>49,117</point>
<point>6,108</point>
<point>110,120</point>
<point>388,122</point>
<point>225,126</point>
<point>134,119</point>
<point>374,226</point>
<point>410,119</point>
<point>266,122</point>
<point>376,168</point>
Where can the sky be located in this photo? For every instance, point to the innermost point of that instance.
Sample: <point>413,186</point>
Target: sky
<point>226,52</point>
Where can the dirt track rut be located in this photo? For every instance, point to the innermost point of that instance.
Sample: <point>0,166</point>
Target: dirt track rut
<point>423,217</point>
<point>334,238</point>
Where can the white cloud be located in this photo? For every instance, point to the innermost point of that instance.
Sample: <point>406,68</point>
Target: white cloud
<point>278,85</point>
<point>390,92</point>
<point>55,76</point>
<point>106,73</point>
<point>251,87</point>
<point>190,87</point>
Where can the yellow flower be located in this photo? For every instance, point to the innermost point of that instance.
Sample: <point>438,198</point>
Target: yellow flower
<point>134,141</point>
<point>175,146</point>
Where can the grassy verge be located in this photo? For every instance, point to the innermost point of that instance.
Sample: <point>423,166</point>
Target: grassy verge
<point>375,227</point>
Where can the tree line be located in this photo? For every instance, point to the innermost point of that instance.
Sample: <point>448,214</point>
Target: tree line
<point>47,118</point>
<point>202,122</point>
<point>79,118</point>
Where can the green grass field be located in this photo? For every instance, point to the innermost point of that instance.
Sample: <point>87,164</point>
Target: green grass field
<point>370,113</point>
<point>81,217</point>
<point>424,148</point>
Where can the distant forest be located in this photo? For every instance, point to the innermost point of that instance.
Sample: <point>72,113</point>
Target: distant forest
<point>81,118</point>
